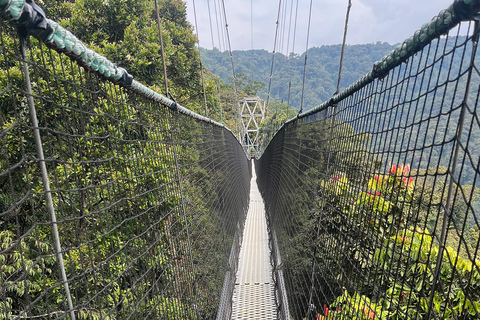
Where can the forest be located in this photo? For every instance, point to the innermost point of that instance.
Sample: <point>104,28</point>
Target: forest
<point>150,202</point>
<point>253,70</point>
<point>371,233</point>
<point>141,193</point>
<point>322,70</point>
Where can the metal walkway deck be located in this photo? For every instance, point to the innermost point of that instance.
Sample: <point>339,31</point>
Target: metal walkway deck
<point>254,295</point>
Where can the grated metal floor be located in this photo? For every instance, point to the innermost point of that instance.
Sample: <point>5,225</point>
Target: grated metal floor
<point>254,296</point>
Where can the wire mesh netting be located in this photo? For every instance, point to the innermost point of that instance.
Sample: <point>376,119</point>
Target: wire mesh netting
<point>148,202</point>
<point>374,200</point>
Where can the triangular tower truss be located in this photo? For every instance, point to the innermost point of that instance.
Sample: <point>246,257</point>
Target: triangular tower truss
<point>252,111</point>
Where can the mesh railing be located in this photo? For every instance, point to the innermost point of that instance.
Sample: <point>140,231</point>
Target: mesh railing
<point>115,203</point>
<point>373,196</point>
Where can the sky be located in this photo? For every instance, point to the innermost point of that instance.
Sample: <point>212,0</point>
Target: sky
<point>389,21</point>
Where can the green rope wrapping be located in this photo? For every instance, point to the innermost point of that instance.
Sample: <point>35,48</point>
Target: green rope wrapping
<point>65,42</point>
<point>13,8</point>
<point>460,10</point>
<point>152,94</point>
<point>64,39</point>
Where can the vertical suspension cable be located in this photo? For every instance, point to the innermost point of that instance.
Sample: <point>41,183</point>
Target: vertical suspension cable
<point>448,209</point>
<point>289,27</point>
<point>293,50</point>
<point>274,50</point>
<point>251,40</point>
<point>159,25</point>
<point>343,46</point>
<point>217,83</point>
<point>280,28</point>
<point>219,100</point>
<point>328,166</point>
<point>218,27</point>
<point>295,28</point>
<point>44,174</point>
<point>200,57</point>
<point>306,55</point>
<point>231,61</point>
<point>223,22</point>
<point>210,22</point>
<point>284,24</point>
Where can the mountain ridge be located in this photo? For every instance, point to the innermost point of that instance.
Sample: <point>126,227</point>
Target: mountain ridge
<point>321,72</point>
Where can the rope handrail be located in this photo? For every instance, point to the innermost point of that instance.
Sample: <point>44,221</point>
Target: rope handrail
<point>374,195</point>
<point>460,10</point>
<point>115,201</point>
<point>30,18</point>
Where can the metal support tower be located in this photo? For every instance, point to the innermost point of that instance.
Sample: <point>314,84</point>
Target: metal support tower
<point>252,111</point>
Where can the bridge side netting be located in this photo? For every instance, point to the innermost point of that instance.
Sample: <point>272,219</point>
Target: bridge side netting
<point>148,197</point>
<point>373,197</point>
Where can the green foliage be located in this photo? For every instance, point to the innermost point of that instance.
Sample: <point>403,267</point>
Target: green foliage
<point>322,70</point>
<point>417,254</point>
<point>250,87</point>
<point>29,259</point>
<point>357,307</point>
<point>431,192</point>
<point>321,79</point>
<point>114,175</point>
<point>276,115</point>
<point>99,21</point>
<point>407,251</point>
<point>388,198</point>
<point>308,156</point>
<point>355,222</point>
<point>126,32</point>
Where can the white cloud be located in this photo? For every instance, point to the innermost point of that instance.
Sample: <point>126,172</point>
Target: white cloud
<point>370,21</point>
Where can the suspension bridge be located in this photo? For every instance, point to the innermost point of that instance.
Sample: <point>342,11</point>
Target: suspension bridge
<point>119,203</point>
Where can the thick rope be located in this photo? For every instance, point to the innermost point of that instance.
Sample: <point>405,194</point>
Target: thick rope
<point>306,55</point>
<point>460,10</point>
<point>345,30</point>
<point>201,62</point>
<point>162,49</point>
<point>30,19</point>
<point>274,51</point>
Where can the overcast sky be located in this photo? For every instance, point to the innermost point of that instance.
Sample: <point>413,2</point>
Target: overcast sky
<point>389,21</point>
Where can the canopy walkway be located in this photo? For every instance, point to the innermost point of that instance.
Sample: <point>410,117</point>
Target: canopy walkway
<point>254,296</point>
<point>117,202</point>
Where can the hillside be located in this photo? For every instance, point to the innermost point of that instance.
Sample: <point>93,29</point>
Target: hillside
<point>322,73</point>
<point>321,76</point>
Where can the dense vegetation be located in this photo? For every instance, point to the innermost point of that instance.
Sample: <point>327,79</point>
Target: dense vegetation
<point>253,69</point>
<point>140,191</point>
<point>372,232</point>
<point>114,160</point>
<point>321,78</point>
<point>126,32</point>
<point>322,70</point>
<point>368,206</point>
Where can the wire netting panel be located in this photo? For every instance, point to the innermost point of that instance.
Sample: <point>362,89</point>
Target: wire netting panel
<point>148,201</point>
<point>374,200</point>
